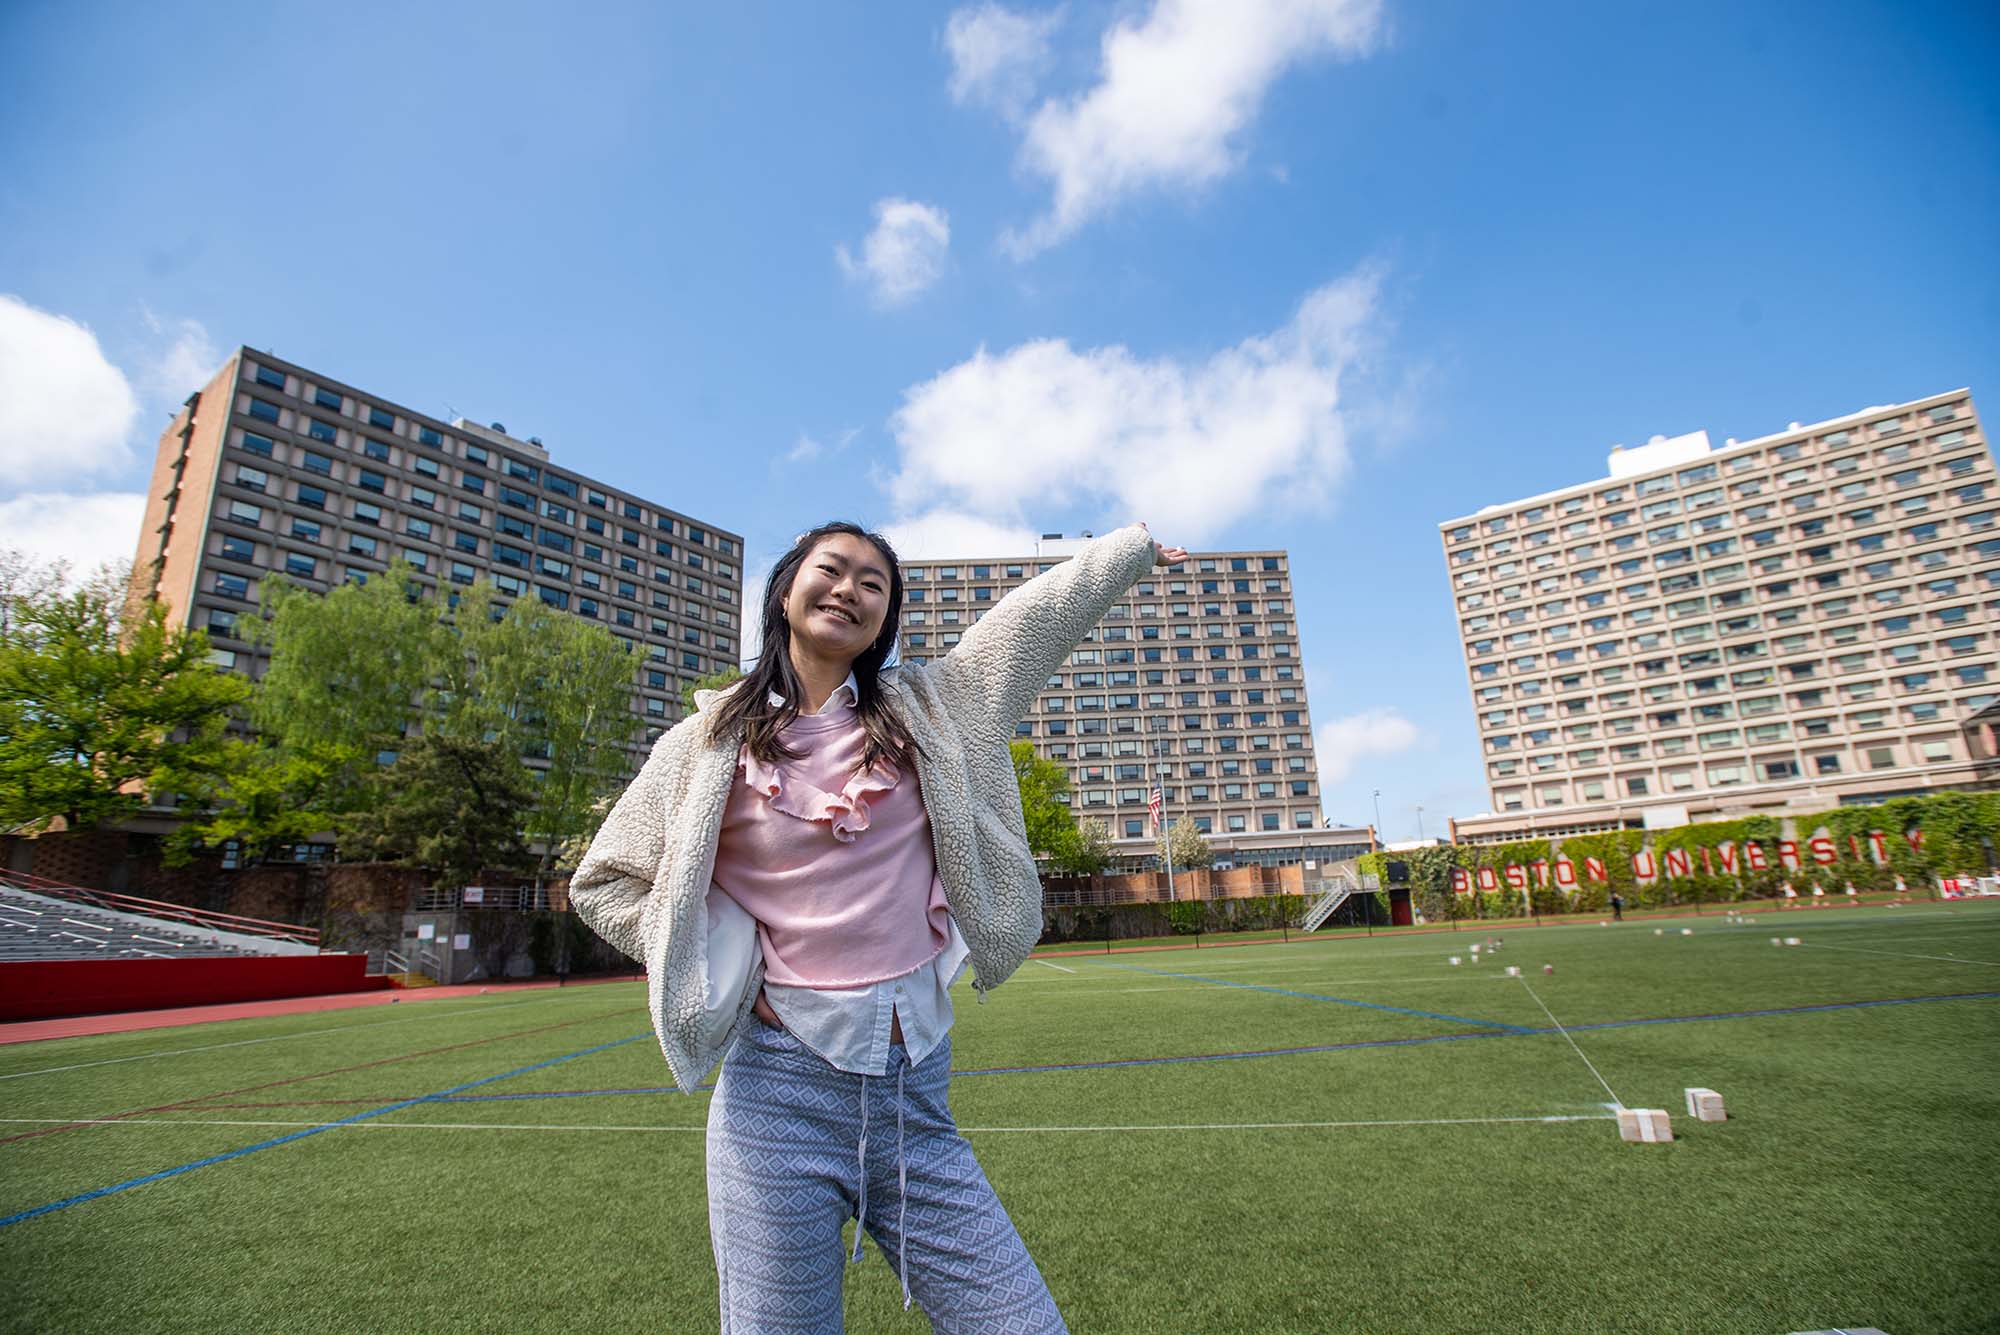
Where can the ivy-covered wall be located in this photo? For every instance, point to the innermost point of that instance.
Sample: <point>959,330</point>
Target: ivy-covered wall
<point>1957,834</point>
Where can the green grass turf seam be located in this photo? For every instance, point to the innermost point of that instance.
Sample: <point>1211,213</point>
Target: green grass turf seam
<point>1775,1012</point>
<point>273,1143</point>
<point>1315,996</point>
<point>268,1038</point>
<point>318,1075</point>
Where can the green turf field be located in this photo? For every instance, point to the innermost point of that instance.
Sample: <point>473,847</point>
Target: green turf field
<point>1336,1135</point>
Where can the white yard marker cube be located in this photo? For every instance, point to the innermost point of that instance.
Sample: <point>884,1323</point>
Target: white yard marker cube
<point>1705,1105</point>
<point>1513,971</point>
<point>1645,1126</point>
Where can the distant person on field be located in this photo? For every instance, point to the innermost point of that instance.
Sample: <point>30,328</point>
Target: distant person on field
<point>806,865</point>
<point>1617,907</point>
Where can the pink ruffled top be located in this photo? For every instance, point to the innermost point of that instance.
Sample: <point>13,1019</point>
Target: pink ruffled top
<point>834,863</point>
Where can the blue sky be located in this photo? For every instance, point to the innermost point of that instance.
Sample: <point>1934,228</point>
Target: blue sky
<point>1314,275</point>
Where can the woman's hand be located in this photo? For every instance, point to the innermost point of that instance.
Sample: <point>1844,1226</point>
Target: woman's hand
<point>1163,555</point>
<point>761,1008</point>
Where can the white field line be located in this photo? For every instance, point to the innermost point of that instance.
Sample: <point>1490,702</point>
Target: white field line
<point>1548,1119</point>
<point>1057,967</point>
<point>271,1038</point>
<point>1248,986</point>
<point>1904,955</point>
<point>1572,1043</point>
<point>1105,974</point>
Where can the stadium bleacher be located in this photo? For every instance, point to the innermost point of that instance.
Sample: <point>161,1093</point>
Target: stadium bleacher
<point>42,926</point>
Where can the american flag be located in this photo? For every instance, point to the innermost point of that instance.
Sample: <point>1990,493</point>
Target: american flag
<point>1153,805</point>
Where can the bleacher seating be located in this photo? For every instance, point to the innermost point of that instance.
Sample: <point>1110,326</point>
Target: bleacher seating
<point>42,927</point>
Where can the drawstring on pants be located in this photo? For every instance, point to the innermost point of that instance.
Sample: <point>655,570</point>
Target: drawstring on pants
<point>861,1155</point>
<point>902,1186</point>
<point>902,1191</point>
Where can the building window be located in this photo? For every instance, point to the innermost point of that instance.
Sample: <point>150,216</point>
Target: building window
<point>327,398</point>
<point>262,411</point>
<point>426,436</point>
<point>378,418</point>
<point>300,565</point>
<point>256,444</point>
<point>369,480</point>
<point>312,497</point>
<point>364,513</point>
<point>232,586</point>
<point>324,432</point>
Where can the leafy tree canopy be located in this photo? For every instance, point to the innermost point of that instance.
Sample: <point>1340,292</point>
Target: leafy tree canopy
<point>97,709</point>
<point>448,805</point>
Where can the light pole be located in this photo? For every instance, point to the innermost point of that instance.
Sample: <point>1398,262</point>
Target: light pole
<point>1420,824</point>
<point>1378,815</point>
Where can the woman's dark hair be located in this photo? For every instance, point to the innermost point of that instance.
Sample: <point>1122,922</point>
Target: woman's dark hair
<point>749,702</point>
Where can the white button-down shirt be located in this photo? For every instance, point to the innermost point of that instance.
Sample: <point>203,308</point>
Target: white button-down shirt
<point>847,1026</point>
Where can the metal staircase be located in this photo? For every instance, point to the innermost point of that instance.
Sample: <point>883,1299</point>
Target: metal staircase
<point>1324,907</point>
<point>1337,893</point>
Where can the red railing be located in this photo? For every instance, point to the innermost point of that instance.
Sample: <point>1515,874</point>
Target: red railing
<point>154,908</point>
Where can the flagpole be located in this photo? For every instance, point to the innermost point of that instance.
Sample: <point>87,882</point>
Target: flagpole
<point>1164,820</point>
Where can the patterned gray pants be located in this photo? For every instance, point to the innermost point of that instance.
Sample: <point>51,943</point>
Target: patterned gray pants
<point>796,1148</point>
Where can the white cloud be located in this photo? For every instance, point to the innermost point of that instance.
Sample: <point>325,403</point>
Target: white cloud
<point>84,530</point>
<point>65,410</point>
<point>904,254</point>
<point>184,364</point>
<point>809,447</point>
<point>1339,743</point>
<point>1190,448</point>
<point>944,534</point>
<point>1176,90</point>
<point>997,55</point>
<point>750,616</point>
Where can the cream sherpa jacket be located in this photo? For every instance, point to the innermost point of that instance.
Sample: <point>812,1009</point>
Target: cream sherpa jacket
<point>643,885</point>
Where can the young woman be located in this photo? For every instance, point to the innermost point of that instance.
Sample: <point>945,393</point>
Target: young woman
<point>805,865</point>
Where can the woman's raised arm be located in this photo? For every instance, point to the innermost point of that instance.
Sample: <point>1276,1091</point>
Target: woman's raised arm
<point>1008,654</point>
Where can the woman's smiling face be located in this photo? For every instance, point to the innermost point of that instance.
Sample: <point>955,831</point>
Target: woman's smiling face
<point>839,598</point>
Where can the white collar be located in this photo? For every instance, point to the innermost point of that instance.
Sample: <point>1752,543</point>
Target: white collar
<point>838,700</point>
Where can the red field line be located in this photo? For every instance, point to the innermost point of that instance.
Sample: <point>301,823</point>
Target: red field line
<point>194,1103</point>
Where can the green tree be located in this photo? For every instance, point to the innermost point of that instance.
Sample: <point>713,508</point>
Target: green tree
<point>95,710</point>
<point>1087,848</point>
<point>549,686</point>
<point>1043,783</point>
<point>348,667</point>
<point>1186,845</point>
<point>266,798</point>
<point>544,686</point>
<point>714,681</point>
<point>453,807</point>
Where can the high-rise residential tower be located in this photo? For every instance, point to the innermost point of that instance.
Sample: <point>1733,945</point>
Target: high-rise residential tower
<point>1192,683</point>
<point>1799,621</point>
<point>274,467</point>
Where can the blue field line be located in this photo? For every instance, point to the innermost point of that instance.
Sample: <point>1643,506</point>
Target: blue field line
<point>311,1131</point>
<point>1113,1063</point>
<point>1315,996</point>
